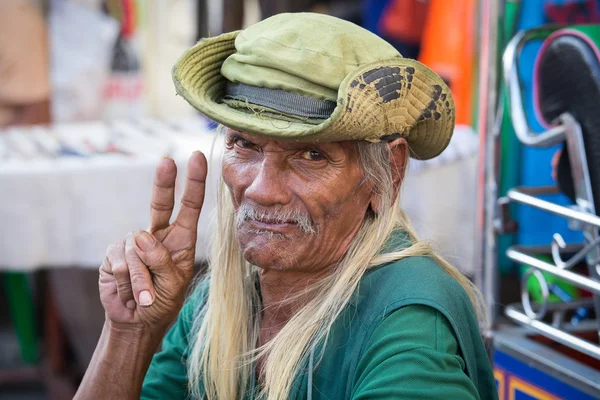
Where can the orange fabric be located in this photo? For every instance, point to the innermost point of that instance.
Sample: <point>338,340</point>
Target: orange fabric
<point>403,20</point>
<point>24,59</point>
<point>448,48</point>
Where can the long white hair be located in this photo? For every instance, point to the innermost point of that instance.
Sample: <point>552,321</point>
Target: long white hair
<point>225,334</point>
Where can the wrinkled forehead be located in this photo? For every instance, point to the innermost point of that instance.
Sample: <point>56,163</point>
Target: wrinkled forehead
<point>349,146</point>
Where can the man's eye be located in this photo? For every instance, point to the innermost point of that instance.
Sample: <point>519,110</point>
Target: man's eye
<point>313,155</point>
<point>243,143</point>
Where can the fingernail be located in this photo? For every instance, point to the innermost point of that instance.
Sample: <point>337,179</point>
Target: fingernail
<point>145,298</point>
<point>144,241</point>
<point>168,158</point>
<point>130,304</point>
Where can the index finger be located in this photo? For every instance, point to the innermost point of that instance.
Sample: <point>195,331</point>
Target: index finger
<point>193,194</point>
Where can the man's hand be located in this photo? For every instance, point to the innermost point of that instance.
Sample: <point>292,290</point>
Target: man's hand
<point>144,277</point>
<point>142,283</point>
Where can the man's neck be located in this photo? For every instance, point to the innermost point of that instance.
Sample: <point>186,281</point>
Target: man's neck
<point>283,294</point>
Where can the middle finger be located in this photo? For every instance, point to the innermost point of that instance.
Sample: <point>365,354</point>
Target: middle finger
<point>163,194</point>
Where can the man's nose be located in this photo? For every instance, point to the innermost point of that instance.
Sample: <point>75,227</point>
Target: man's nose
<point>269,185</point>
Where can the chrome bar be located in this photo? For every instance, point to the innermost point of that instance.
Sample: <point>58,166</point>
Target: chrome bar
<point>571,277</point>
<point>525,294</point>
<point>486,275</point>
<point>579,167</point>
<point>510,62</point>
<point>537,249</point>
<point>584,197</point>
<point>559,336</point>
<point>518,196</point>
<point>558,243</point>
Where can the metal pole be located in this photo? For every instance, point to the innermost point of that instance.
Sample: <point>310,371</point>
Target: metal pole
<point>518,196</point>
<point>564,274</point>
<point>486,269</point>
<point>201,19</point>
<point>558,335</point>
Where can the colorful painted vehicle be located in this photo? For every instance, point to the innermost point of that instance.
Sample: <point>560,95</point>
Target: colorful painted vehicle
<point>549,349</point>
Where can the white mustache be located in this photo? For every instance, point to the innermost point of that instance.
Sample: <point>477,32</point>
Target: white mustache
<point>248,212</point>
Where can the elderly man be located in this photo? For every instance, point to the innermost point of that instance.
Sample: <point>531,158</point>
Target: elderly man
<point>318,288</point>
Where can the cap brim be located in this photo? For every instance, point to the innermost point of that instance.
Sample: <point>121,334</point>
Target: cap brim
<point>397,96</point>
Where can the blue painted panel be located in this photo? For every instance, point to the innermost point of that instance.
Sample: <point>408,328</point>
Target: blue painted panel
<point>535,379</point>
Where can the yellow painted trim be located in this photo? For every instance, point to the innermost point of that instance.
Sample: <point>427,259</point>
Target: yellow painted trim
<point>499,375</point>
<point>515,384</point>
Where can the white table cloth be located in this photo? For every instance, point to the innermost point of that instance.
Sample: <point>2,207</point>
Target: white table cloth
<point>65,211</point>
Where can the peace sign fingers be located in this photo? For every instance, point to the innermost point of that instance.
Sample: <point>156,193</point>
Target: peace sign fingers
<point>163,194</point>
<point>193,194</point>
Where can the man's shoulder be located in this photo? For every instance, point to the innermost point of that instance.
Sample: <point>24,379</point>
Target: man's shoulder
<point>412,280</point>
<point>421,281</point>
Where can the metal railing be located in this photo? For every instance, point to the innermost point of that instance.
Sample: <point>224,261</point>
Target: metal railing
<point>583,212</point>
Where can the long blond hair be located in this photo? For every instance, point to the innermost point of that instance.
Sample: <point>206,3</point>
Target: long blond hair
<point>225,333</point>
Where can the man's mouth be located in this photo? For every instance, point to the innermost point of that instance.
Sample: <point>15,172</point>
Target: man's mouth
<point>272,225</point>
<point>274,221</point>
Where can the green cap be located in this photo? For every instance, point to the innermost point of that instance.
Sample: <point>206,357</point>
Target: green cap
<point>312,77</point>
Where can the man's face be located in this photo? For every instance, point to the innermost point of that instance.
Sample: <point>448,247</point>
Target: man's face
<point>298,205</point>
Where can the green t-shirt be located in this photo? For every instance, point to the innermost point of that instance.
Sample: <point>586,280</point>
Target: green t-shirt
<point>409,332</point>
<point>413,354</point>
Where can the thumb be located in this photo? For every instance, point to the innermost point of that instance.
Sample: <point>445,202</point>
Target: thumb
<point>153,253</point>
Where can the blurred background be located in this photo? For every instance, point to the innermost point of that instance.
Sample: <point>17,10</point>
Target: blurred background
<point>87,108</point>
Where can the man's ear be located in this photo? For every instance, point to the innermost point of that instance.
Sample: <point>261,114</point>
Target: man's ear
<point>398,158</point>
